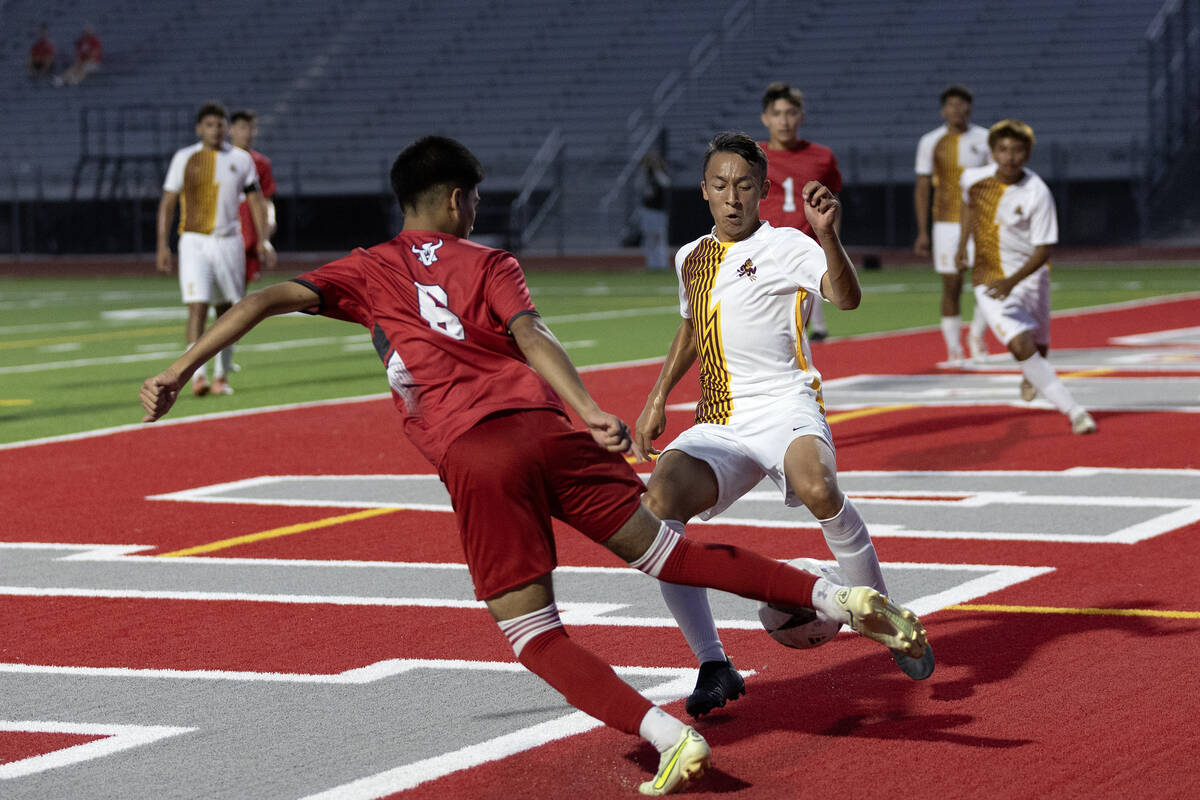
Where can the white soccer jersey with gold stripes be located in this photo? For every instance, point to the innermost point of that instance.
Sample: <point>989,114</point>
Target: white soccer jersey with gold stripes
<point>1008,221</point>
<point>746,301</point>
<point>210,184</point>
<point>943,154</point>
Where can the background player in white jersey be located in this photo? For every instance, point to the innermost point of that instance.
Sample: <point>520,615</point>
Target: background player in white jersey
<point>1009,212</point>
<point>742,293</point>
<point>206,180</point>
<point>942,155</point>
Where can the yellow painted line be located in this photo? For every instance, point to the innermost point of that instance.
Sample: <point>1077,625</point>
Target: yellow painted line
<point>275,533</point>
<point>1089,373</point>
<point>89,337</point>
<point>865,412</point>
<point>16,401</point>
<point>1091,612</point>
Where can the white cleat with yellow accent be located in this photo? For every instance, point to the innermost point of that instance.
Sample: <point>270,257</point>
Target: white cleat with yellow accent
<point>688,759</point>
<point>877,618</point>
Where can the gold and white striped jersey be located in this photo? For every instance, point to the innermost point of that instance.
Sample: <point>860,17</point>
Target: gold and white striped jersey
<point>210,183</point>
<point>747,303</point>
<point>943,154</point>
<point>1008,221</point>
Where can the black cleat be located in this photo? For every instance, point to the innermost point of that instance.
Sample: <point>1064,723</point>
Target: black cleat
<point>718,683</point>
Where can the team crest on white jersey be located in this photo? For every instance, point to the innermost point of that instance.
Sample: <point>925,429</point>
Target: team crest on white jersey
<point>748,270</point>
<point>427,252</point>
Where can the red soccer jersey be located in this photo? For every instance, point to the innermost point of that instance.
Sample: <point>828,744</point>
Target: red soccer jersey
<point>266,185</point>
<point>438,308</point>
<point>788,171</point>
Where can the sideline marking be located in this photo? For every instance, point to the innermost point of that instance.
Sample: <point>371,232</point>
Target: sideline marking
<point>86,337</point>
<point>1090,612</point>
<point>865,412</point>
<point>274,533</point>
<point>17,401</point>
<point>1089,373</point>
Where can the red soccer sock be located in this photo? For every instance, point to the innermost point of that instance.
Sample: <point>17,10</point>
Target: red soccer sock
<point>584,680</point>
<point>735,569</point>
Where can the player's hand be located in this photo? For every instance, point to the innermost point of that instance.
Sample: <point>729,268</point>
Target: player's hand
<point>612,434</point>
<point>921,246</point>
<point>999,289</point>
<point>266,254</point>
<point>822,209</point>
<point>961,261</point>
<point>162,260</point>
<point>649,426</point>
<point>159,393</point>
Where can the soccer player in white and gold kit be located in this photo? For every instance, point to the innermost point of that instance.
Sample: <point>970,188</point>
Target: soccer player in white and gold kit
<point>742,296</point>
<point>1009,212</point>
<point>942,155</point>
<point>206,180</point>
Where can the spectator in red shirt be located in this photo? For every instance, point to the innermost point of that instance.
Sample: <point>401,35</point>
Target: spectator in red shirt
<point>41,55</point>
<point>88,55</point>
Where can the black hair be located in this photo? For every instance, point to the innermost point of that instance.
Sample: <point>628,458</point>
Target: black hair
<point>782,91</point>
<point>740,144</point>
<point>211,109</point>
<point>431,162</point>
<point>956,91</point>
<point>243,113</point>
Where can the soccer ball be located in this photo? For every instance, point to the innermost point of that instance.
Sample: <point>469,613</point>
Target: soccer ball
<point>801,628</point>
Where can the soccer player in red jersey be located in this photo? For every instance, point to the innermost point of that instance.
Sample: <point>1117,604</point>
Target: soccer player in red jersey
<point>791,163</point>
<point>479,381</point>
<point>243,129</point>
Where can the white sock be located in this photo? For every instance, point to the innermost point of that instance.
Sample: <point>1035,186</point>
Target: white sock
<point>223,365</point>
<point>978,325</point>
<point>952,333</point>
<point>689,606</point>
<point>824,602</point>
<point>660,729</point>
<point>848,539</point>
<point>1037,370</point>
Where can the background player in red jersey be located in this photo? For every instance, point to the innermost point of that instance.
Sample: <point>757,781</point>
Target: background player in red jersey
<point>243,129</point>
<point>477,377</point>
<point>791,163</point>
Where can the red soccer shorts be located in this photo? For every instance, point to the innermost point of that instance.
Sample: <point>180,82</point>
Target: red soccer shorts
<point>511,473</point>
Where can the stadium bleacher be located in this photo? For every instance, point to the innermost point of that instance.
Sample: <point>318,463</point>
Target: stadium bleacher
<point>340,88</point>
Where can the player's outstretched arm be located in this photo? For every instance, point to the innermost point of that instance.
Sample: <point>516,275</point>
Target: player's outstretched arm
<point>159,393</point>
<point>653,420</point>
<point>547,357</point>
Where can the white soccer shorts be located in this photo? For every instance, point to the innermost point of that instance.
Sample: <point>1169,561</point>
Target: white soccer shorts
<point>1027,308</point>
<point>945,247</point>
<point>752,446</point>
<point>212,269</point>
